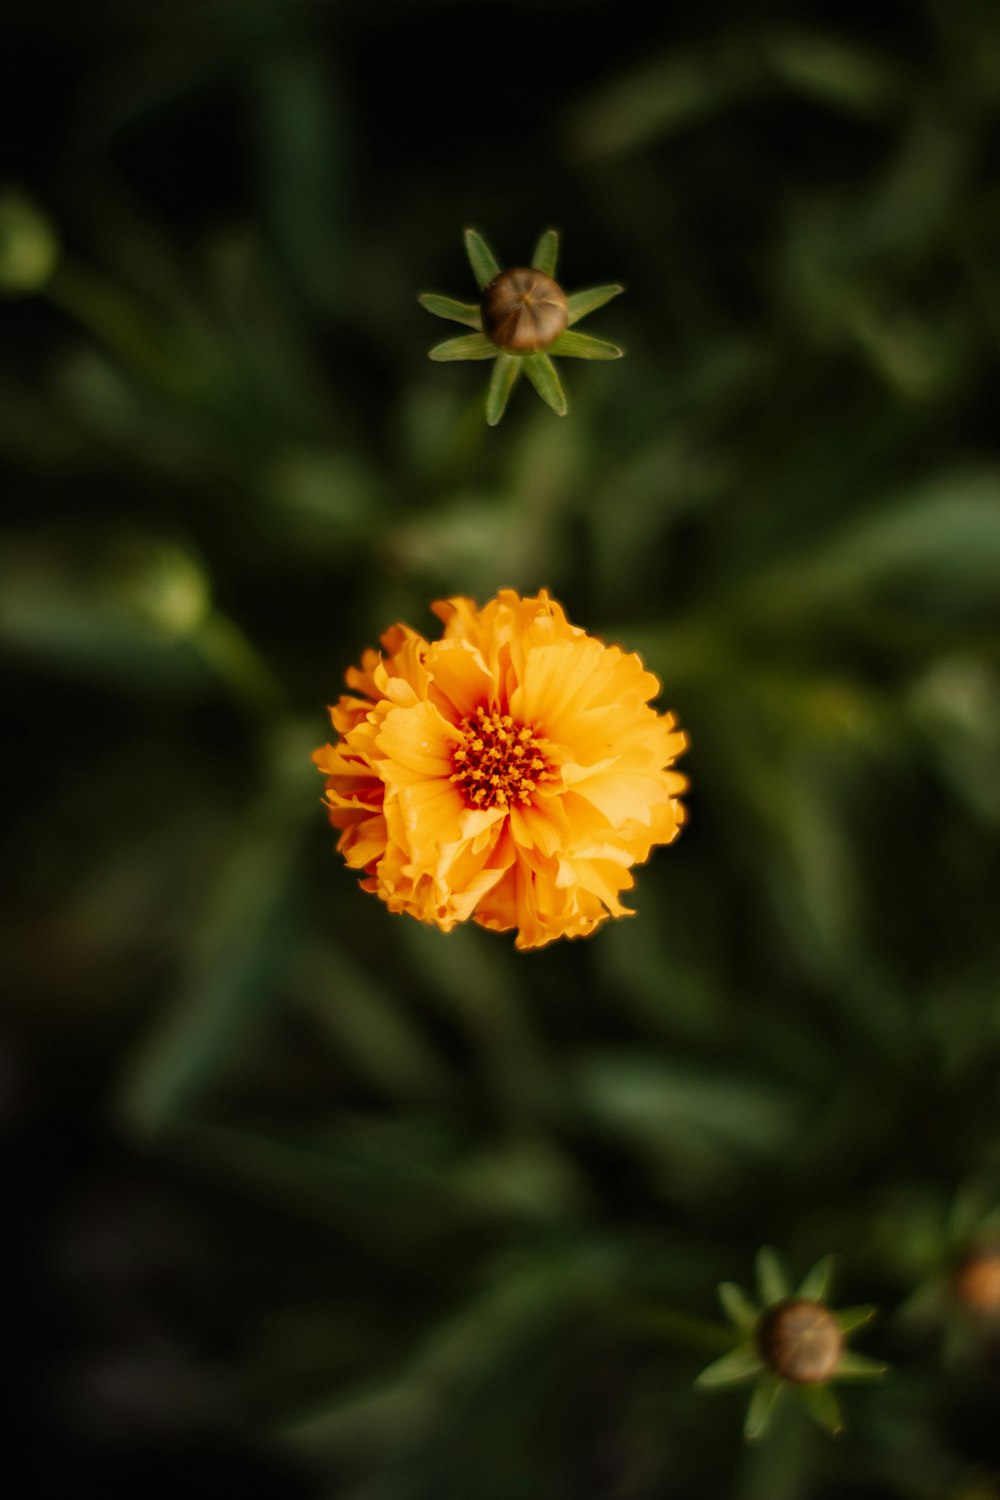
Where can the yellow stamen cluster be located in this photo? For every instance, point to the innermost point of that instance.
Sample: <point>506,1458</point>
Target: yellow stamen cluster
<point>498,763</point>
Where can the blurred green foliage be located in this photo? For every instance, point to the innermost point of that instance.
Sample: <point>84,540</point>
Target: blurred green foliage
<point>475,1204</point>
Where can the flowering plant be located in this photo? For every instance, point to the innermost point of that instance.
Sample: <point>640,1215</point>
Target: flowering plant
<point>511,772</point>
<point>790,1342</point>
<point>522,319</point>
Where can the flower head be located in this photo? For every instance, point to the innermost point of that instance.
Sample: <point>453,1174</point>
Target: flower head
<point>511,772</point>
<point>790,1342</point>
<point>523,317</point>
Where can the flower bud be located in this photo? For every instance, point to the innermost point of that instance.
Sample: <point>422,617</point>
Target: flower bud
<point>800,1340</point>
<point>523,310</point>
<point>975,1281</point>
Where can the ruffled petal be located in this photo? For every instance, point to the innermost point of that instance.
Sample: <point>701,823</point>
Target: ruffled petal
<point>513,773</point>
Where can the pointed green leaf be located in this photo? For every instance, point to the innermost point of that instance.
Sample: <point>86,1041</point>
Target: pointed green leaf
<point>739,1364</point>
<point>481,258</point>
<point>850,1318</point>
<point>821,1403</point>
<point>859,1367</point>
<point>737,1305</point>
<point>582,303</point>
<point>469,346</point>
<point>763,1402</point>
<point>772,1280</point>
<point>448,307</point>
<point>816,1285</point>
<point>542,373</point>
<point>546,253</point>
<point>582,346</point>
<point>503,380</point>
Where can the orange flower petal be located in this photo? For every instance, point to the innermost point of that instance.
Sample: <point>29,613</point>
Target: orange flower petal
<point>512,773</point>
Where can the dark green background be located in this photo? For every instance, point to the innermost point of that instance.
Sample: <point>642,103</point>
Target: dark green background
<point>304,1198</point>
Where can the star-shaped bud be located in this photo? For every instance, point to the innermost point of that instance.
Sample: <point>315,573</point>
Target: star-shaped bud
<point>791,1343</point>
<point>522,320</point>
<point>957,1267</point>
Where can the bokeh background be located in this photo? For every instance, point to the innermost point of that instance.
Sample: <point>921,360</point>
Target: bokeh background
<point>303,1199</point>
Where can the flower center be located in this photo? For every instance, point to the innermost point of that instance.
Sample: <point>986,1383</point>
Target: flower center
<point>499,763</point>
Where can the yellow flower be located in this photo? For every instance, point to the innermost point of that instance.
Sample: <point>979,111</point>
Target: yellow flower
<point>511,772</point>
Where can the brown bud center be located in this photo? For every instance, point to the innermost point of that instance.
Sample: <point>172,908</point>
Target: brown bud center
<point>523,310</point>
<point>801,1340</point>
<point>976,1281</point>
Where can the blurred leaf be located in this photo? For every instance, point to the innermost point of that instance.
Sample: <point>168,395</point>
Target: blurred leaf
<point>484,995</point>
<point>733,1368</point>
<point>817,1283</point>
<point>767,1394</point>
<point>854,1366</point>
<point>833,71</point>
<point>364,1021</point>
<point>130,613</point>
<point>521,1307</point>
<point>321,500</point>
<point>738,1306</point>
<point>943,537</point>
<point>28,246</point>
<point>955,706</point>
<point>850,1318</point>
<point>822,1405</point>
<point>304,165</point>
<point>245,939</point>
<point>524,1179</point>
<point>655,98</point>
<point>682,1111</point>
<point>377,1183</point>
<point>772,1278</point>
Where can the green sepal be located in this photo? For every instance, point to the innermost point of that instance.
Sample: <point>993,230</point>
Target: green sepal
<point>505,376</point>
<point>822,1405</point>
<point>447,307</point>
<point>583,346</point>
<point>542,373</point>
<point>849,1318</point>
<point>772,1282</point>
<point>763,1403</point>
<point>546,253</point>
<point>481,258</point>
<point>816,1285</point>
<point>582,303</point>
<point>469,346</point>
<point>858,1367</point>
<point>737,1305</point>
<point>739,1364</point>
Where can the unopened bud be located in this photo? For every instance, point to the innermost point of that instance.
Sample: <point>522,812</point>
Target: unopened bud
<point>975,1281</point>
<point>800,1340</point>
<point>523,310</point>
